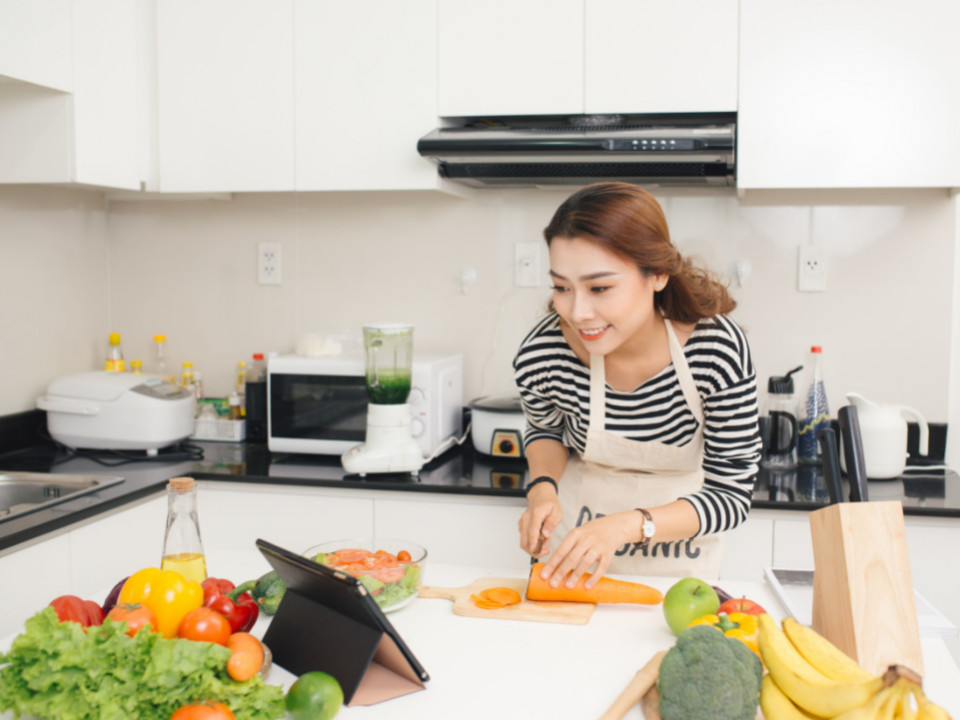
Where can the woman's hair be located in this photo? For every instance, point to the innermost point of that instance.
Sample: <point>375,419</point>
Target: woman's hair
<point>628,221</point>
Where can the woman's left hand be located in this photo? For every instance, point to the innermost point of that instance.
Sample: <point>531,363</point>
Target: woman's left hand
<point>594,542</point>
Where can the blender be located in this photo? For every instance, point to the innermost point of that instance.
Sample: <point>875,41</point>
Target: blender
<point>389,445</point>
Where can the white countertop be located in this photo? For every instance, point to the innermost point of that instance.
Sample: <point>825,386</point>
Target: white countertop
<point>482,668</point>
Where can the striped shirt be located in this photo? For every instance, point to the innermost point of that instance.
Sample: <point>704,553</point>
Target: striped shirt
<point>554,389</point>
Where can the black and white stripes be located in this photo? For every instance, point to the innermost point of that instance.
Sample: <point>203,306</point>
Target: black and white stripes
<point>555,390</point>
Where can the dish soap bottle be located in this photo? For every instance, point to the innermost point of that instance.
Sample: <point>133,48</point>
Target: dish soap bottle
<point>114,355</point>
<point>182,547</point>
<point>813,412</point>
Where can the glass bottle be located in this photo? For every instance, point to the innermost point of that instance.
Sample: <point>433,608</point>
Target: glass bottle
<point>198,384</point>
<point>186,376</point>
<point>114,361</point>
<point>234,405</point>
<point>161,365</point>
<point>256,400</point>
<point>813,413</point>
<point>136,367</point>
<point>182,547</point>
<point>241,388</point>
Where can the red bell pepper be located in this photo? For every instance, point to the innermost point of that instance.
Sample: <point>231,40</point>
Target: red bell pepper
<point>234,603</point>
<point>71,608</point>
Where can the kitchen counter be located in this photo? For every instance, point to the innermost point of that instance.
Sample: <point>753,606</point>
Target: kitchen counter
<point>481,668</point>
<point>933,493</point>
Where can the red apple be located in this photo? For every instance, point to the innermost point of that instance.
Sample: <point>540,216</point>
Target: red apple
<point>741,605</point>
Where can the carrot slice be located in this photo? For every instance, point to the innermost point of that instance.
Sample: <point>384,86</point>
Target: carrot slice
<point>485,604</point>
<point>502,595</point>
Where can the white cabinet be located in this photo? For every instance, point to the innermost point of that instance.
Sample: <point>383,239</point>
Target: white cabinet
<point>90,135</point>
<point>365,92</point>
<point>36,40</point>
<point>503,57</point>
<point>225,95</point>
<point>651,56</point>
<point>836,93</point>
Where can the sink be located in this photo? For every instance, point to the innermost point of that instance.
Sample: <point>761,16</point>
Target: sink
<point>24,492</point>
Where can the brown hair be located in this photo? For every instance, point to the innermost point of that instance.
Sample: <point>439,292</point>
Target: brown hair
<point>628,221</point>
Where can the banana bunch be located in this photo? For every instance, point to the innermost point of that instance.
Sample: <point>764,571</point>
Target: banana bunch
<point>809,678</point>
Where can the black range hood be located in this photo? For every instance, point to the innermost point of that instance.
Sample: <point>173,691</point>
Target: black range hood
<point>654,150</point>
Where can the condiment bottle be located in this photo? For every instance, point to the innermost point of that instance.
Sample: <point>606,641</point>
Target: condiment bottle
<point>186,376</point>
<point>242,386</point>
<point>234,404</point>
<point>161,364</point>
<point>114,361</point>
<point>182,547</point>
<point>256,400</point>
<point>813,412</point>
<point>136,367</point>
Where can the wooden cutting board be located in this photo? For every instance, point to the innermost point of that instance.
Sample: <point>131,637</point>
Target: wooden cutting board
<point>572,613</point>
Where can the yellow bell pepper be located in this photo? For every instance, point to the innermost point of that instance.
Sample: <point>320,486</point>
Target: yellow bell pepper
<point>166,592</point>
<point>741,626</point>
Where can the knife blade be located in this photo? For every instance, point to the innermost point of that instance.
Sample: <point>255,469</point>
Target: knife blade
<point>831,464</point>
<point>853,452</point>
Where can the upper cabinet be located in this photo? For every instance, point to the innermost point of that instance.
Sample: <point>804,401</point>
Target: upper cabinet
<point>36,40</point>
<point>839,93</point>
<point>657,56</point>
<point>81,126</point>
<point>563,57</point>
<point>365,91</point>
<point>225,95</point>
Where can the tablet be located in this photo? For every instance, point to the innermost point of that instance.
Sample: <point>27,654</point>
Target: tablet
<point>328,621</point>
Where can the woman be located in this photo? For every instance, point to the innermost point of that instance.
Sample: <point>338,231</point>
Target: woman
<point>640,398</point>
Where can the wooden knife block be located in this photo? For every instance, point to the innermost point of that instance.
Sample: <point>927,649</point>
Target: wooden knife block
<point>863,599</point>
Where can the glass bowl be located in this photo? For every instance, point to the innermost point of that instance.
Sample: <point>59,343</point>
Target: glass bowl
<point>392,581</point>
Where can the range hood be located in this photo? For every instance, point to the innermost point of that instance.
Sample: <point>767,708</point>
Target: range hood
<point>661,150</point>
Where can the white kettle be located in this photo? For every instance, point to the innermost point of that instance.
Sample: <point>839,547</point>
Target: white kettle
<point>883,431</point>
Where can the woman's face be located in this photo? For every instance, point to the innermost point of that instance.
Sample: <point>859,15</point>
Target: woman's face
<point>604,298</point>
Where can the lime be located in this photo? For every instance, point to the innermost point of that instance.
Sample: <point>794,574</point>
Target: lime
<point>314,696</point>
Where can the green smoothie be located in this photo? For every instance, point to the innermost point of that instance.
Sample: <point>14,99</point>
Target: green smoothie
<point>388,388</point>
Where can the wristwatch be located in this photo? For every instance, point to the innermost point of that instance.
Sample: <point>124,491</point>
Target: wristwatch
<point>647,529</point>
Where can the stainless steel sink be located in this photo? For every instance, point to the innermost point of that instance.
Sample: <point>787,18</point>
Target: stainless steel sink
<point>23,492</point>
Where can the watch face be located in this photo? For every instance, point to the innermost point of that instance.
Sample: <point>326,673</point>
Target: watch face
<point>649,529</point>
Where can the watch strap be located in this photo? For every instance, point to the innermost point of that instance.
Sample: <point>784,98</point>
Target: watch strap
<point>647,519</point>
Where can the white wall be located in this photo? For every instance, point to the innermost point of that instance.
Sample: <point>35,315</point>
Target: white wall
<point>188,269</point>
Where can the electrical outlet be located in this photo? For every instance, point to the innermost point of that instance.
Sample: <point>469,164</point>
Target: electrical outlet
<point>526,265</point>
<point>268,263</point>
<point>811,270</point>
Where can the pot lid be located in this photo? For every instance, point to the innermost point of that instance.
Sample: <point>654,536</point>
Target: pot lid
<point>497,403</point>
<point>94,385</point>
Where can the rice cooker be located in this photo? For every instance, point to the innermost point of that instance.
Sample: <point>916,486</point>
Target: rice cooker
<point>117,411</point>
<point>497,424</point>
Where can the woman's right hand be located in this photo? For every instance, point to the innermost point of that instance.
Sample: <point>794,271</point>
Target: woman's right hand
<point>540,519</point>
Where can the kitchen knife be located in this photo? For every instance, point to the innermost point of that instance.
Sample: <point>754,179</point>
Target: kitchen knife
<point>831,464</point>
<point>853,452</point>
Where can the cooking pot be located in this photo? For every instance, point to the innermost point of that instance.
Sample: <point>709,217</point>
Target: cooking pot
<point>497,424</point>
<point>883,432</point>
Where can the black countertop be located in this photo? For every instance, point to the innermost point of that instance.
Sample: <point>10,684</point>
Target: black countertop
<point>460,471</point>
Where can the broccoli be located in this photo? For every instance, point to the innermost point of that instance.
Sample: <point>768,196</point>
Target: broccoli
<point>708,676</point>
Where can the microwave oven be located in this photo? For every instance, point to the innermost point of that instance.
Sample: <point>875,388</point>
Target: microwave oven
<point>318,405</point>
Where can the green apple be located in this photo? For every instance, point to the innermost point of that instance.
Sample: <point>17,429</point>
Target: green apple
<point>687,600</point>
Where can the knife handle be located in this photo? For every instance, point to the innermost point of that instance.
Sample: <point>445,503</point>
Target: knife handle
<point>831,464</point>
<point>853,452</point>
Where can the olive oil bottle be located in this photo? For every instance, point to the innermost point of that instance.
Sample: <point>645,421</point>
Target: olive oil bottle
<point>182,547</point>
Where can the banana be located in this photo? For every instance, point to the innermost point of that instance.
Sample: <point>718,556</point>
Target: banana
<point>879,707</point>
<point>776,705</point>
<point>823,654</point>
<point>926,709</point>
<point>804,684</point>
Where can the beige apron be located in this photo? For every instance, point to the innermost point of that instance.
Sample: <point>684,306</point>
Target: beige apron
<point>615,474</point>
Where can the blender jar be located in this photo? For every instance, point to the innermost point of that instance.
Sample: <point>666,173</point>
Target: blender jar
<point>389,351</point>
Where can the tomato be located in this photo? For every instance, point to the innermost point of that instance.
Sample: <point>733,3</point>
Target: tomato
<point>314,696</point>
<point>205,625</point>
<point>351,555</point>
<point>404,556</point>
<point>71,608</point>
<point>386,575</point>
<point>203,711</point>
<point>135,615</point>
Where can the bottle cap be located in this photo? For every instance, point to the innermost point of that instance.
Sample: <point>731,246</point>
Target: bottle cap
<point>241,364</point>
<point>188,364</point>
<point>782,384</point>
<point>114,338</point>
<point>816,349</point>
<point>159,338</point>
<point>258,356</point>
<point>180,484</point>
<point>234,399</point>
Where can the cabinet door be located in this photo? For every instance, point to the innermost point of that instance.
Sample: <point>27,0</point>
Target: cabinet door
<point>650,56</point>
<point>836,93</point>
<point>225,95</point>
<point>36,42</point>
<point>366,91</point>
<point>502,57</point>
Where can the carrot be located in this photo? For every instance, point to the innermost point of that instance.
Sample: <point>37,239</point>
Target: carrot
<point>481,602</point>
<point>502,595</point>
<point>247,658</point>
<point>607,590</point>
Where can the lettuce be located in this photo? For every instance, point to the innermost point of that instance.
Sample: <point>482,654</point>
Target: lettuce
<point>55,670</point>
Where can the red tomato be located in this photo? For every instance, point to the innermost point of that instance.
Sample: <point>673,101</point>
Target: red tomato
<point>351,555</point>
<point>203,711</point>
<point>404,556</point>
<point>205,625</point>
<point>386,575</point>
<point>741,605</point>
<point>135,615</point>
<point>71,608</point>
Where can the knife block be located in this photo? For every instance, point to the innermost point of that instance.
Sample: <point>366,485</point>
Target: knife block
<point>863,599</point>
